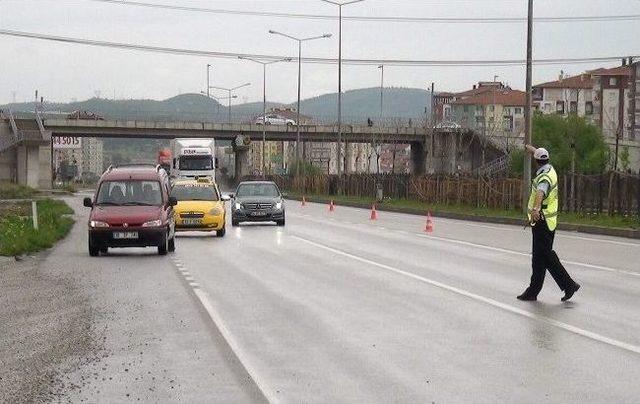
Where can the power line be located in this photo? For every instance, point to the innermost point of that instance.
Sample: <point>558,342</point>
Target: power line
<point>441,20</point>
<point>316,60</point>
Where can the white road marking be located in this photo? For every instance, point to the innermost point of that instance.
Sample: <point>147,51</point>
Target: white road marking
<point>242,356</point>
<point>203,298</point>
<point>516,310</point>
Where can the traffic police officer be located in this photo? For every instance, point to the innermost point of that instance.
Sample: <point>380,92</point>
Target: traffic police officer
<point>543,216</point>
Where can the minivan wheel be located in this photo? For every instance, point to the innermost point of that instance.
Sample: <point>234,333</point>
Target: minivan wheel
<point>221,232</point>
<point>164,247</point>
<point>94,250</point>
<point>104,249</point>
<point>280,222</point>
<point>234,222</point>
<point>172,244</point>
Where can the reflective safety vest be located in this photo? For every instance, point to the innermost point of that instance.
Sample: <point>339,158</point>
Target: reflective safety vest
<point>550,202</point>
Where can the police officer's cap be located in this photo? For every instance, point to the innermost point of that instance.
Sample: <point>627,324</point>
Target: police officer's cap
<point>541,154</point>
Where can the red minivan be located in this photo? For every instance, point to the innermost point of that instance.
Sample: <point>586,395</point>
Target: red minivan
<point>132,207</point>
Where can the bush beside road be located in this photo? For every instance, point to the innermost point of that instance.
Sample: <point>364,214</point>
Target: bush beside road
<point>15,191</point>
<point>17,235</point>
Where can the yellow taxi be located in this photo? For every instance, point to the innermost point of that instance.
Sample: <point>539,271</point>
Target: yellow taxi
<point>200,206</point>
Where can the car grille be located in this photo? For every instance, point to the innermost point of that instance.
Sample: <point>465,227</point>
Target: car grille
<point>192,215</point>
<point>257,206</point>
<point>122,224</point>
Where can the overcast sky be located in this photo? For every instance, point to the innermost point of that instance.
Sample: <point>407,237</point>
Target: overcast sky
<point>64,72</point>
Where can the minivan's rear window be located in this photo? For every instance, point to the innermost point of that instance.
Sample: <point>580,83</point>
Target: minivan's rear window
<point>129,192</point>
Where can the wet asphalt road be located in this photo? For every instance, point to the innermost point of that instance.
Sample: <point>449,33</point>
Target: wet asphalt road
<point>337,308</point>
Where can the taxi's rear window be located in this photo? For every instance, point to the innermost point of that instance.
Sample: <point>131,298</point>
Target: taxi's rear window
<point>195,192</point>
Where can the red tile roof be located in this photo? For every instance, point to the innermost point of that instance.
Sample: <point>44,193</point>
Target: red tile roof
<point>583,80</point>
<point>615,71</point>
<point>473,91</point>
<point>503,96</point>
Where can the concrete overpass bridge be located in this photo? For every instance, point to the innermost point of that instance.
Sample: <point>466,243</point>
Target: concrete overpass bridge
<point>25,143</point>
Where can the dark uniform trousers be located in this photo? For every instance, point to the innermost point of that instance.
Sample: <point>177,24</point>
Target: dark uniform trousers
<point>544,257</point>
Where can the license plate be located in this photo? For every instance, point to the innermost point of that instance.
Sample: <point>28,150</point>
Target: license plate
<point>125,235</point>
<point>191,222</point>
<point>259,213</point>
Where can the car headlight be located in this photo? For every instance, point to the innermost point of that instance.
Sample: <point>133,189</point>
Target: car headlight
<point>279,205</point>
<point>215,212</point>
<point>237,206</point>
<point>152,223</point>
<point>95,223</point>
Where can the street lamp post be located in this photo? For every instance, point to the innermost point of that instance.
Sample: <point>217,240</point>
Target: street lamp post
<point>340,4</point>
<point>299,40</point>
<point>381,67</point>
<point>264,100</point>
<point>208,83</point>
<point>230,90</point>
<point>217,99</point>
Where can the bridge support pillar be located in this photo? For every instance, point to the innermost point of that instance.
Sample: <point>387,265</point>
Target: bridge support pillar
<point>418,158</point>
<point>33,163</point>
<point>243,162</point>
<point>8,165</point>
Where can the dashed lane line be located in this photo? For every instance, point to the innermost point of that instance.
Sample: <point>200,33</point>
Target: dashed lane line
<point>233,344</point>
<point>516,310</point>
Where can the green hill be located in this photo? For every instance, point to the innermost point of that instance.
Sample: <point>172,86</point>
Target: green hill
<point>358,105</point>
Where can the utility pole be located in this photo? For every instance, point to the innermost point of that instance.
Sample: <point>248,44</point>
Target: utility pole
<point>378,146</point>
<point>527,112</point>
<point>432,124</point>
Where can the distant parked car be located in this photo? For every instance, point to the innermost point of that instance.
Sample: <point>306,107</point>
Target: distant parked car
<point>448,125</point>
<point>274,119</point>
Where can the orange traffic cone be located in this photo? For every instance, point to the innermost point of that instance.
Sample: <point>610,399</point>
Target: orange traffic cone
<point>429,227</point>
<point>304,202</point>
<point>331,206</point>
<point>374,213</point>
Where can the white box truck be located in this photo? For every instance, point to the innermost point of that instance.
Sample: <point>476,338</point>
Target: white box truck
<point>193,158</point>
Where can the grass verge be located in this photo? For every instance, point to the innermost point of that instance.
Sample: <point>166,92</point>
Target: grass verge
<point>17,235</point>
<point>15,191</point>
<point>603,220</point>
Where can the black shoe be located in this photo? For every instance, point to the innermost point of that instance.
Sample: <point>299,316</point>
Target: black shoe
<point>569,292</point>
<point>527,297</point>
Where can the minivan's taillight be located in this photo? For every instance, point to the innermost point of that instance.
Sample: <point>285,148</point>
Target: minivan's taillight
<point>152,223</point>
<point>95,223</point>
